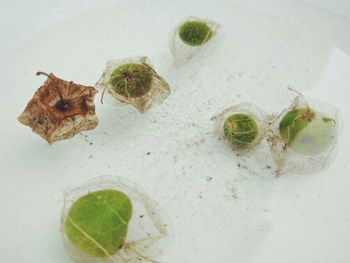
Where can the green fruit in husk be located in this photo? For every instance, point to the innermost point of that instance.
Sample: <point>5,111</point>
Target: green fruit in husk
<point>131,80</point>
<point>307,132</point>
<point>240,129</point>
<point>97,223</point>
<point>195,33</point>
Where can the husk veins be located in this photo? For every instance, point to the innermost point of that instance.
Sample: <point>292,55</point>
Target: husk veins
<point>240,129</point>
<point>97,223</point>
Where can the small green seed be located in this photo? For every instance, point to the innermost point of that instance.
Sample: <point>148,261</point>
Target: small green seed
<point>240,129</point>
<point>195,33</point>
<point>307,132</point>
<point>97,223</point>
<point>131,80</point>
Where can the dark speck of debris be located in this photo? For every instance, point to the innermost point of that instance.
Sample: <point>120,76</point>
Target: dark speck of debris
<point>90,156</point>
<point>209,179</point>
<point>141,216</point>
<point>91,143</point>
<point>268,166</point>
<point>239,165</point>
<point>148,153</point>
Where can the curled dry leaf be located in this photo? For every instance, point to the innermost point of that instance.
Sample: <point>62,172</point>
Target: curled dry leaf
<point>60,109</point>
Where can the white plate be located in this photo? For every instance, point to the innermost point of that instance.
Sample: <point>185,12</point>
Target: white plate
<point>219,213</point>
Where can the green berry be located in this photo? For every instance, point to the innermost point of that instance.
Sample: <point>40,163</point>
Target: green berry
<point>240,129</point>
<point>195,33</point>
<point>307,132</point>
<point>131,80</point>
<point>97,223</point>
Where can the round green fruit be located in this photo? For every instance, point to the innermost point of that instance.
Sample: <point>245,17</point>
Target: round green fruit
<point>240,129</point>
<point>97,223</point>
<point>307,132</point>
<point>195,33</point>
<point>131,80</point>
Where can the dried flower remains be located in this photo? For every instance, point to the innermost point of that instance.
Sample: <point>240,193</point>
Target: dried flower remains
<point>60,109</point>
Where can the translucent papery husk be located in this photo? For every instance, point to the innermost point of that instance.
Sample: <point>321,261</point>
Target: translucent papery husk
<point>53,124</point>
<point>289,161</point>
<point>158,92</point>
<point>148,231</point>
<point>182,52</point>
<point>256,113</point>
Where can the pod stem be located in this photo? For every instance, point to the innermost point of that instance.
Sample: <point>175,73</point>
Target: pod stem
<point>102,95</point>
<point>309,114</point>
<point>39,73</point>
<point>61,104</point>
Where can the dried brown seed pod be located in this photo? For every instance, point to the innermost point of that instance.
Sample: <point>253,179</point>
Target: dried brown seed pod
<point>60,109</point>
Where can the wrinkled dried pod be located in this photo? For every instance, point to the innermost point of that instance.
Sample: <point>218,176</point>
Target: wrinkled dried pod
<point>191,36</point>
<point>303,137</point>
<point>242,127</point>
<point>60,109</point>
<point>132,81</point>
<point>109,219</point>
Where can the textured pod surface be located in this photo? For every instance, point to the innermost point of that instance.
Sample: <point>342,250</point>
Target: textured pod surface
<point>195,33</point>
<point>307,132</point>
<point>240,129</point>
<point>131,80</point>
<point>97,223</point>
<point>54,121</point>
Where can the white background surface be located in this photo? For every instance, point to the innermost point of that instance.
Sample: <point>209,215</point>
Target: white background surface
<point>219,213</point>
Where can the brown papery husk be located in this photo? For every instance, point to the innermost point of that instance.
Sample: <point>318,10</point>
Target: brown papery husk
<point>51,122</point>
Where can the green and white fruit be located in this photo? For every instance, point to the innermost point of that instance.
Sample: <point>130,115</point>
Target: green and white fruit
<point>307,132</point>
<point>240,129</point>
<point>97,223</point>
